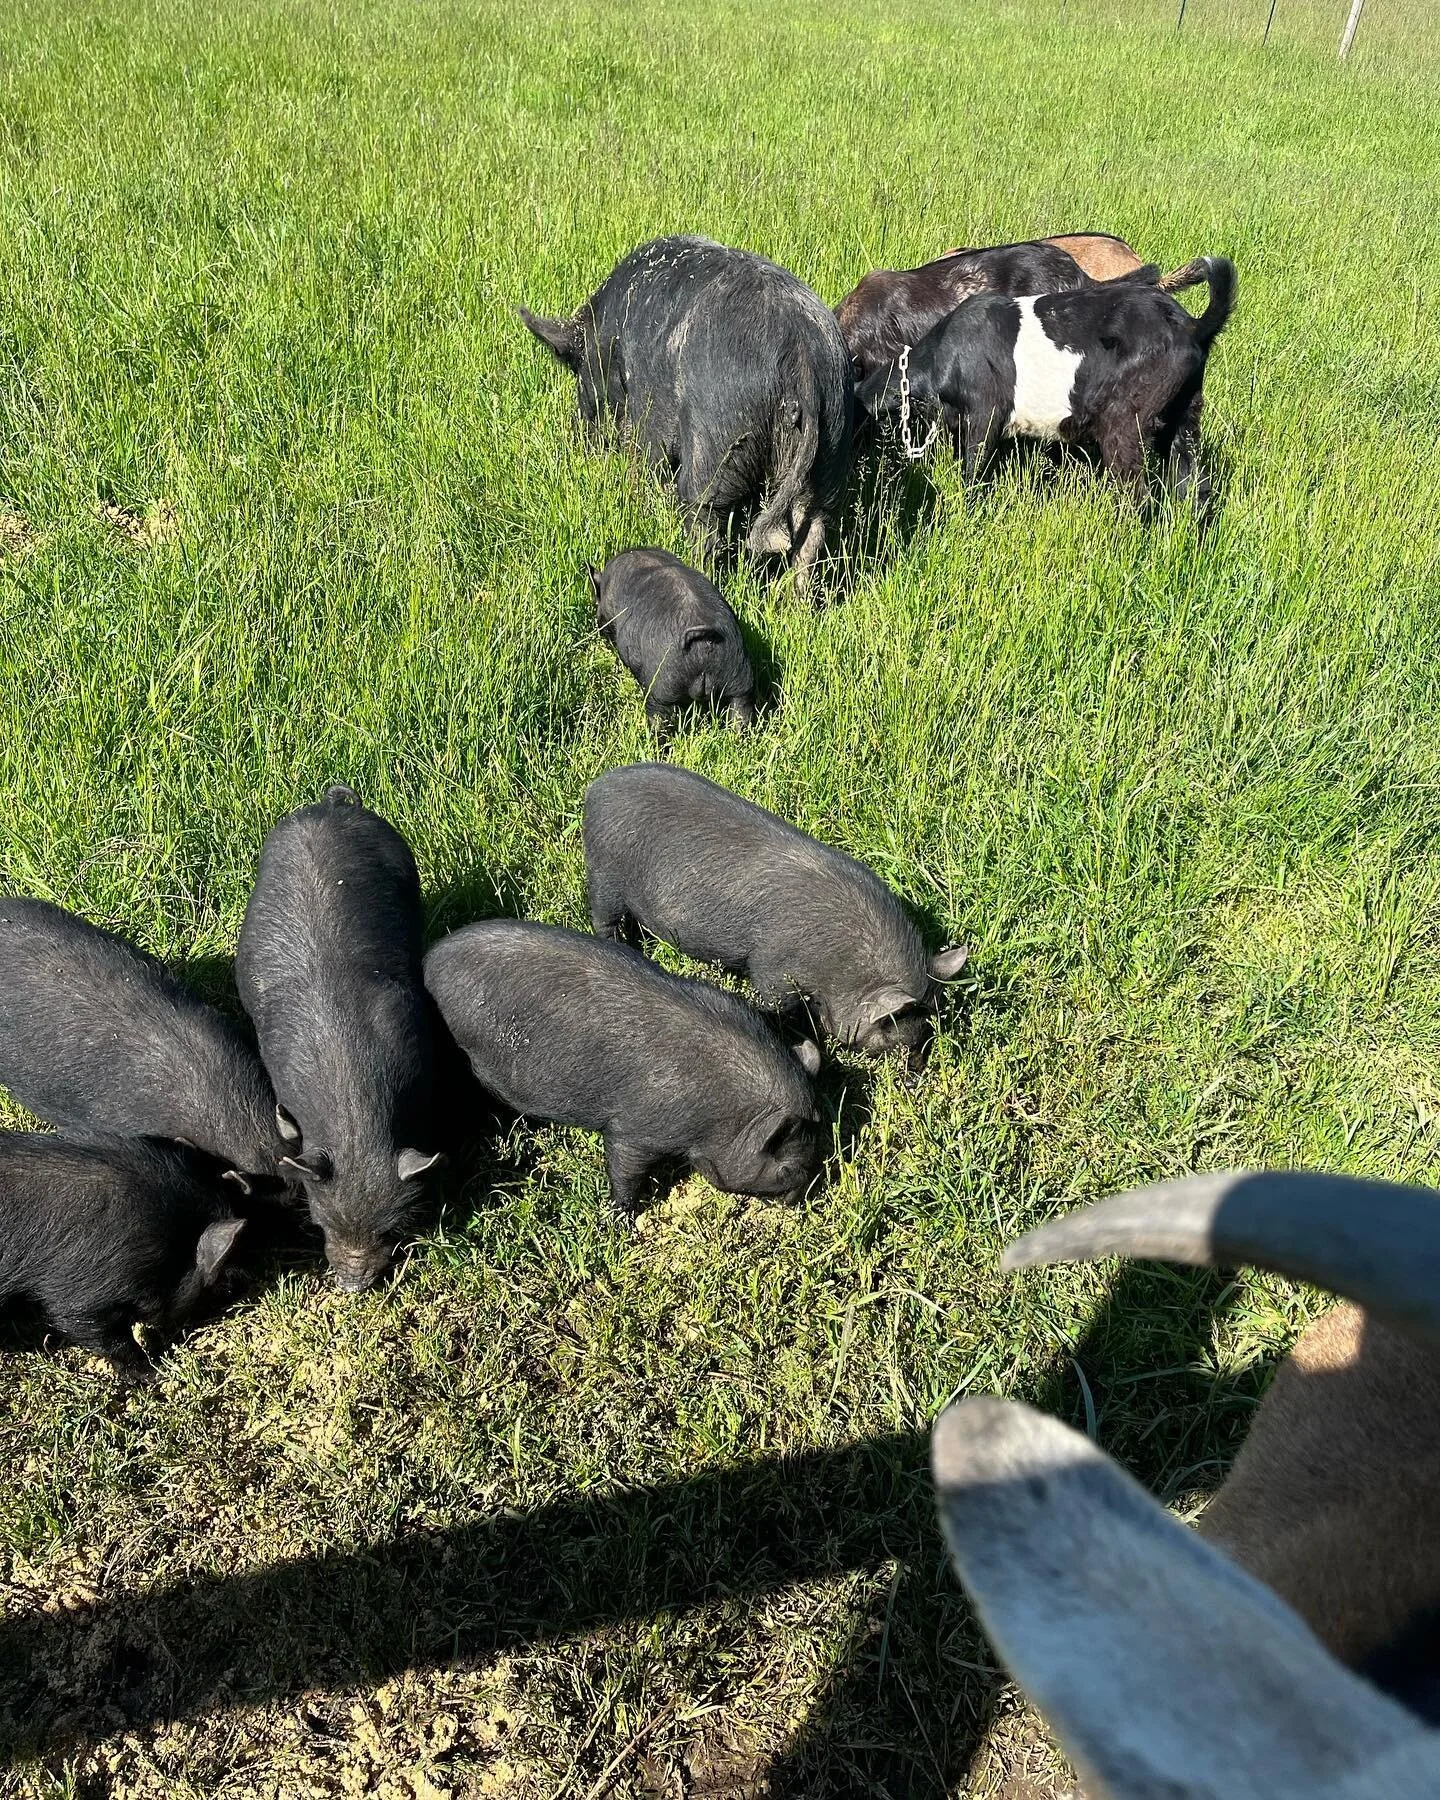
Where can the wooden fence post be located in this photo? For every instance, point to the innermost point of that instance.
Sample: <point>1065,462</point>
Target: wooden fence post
<point>1356,8</point>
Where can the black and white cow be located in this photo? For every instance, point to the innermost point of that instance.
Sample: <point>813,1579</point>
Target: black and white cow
<point>1118,366</point>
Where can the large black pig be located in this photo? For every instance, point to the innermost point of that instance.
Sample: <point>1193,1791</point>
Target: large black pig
<point>728,882</point>
<point>111,1233</point>
<point>675,634</point>
<point>563,1026</point>
<point>329,968</point>
<point>97,1036</point>
<point>736,378</point>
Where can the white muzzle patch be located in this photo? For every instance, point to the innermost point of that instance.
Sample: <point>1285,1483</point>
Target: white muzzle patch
<point>1044,380</point>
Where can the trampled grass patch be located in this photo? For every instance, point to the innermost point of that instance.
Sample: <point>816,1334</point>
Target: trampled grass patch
<point>287,496</point>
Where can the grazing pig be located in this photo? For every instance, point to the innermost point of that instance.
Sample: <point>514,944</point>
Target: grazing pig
<point>97,1036</point>
<point>736,378</point>
<point>329,968</point>
<point>728,882</point>
<point>673,631</point>
<point>561,1026</point>
<point>111,1233</point>
<point>1114,365</point>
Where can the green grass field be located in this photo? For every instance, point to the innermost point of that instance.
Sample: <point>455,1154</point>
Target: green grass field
<point>288,496</point>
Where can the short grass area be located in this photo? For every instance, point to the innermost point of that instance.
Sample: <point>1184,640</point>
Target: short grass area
<point>288,496</point>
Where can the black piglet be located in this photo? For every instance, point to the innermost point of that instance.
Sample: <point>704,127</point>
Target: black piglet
<point>329,968</point>
<point>674,632</point>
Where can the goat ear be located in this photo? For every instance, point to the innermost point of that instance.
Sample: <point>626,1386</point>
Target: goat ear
<point>216,1242</point>
<point>1372,1241</point>
<point>286,1125</point>
<point>807,1054</point>
<point>945,965</point>
<point>701,634</point>
<point>1160,1665</point>
<point>879,392</point>
<point>563,336</point>
<point>415,1163</point>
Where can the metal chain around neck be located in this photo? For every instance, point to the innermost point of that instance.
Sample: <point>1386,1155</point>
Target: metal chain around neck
<point>913,450</point>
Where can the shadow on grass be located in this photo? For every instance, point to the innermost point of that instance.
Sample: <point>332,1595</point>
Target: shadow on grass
<point>908,1710</point>
<point>904,1714</point>
<point>338,1619</point>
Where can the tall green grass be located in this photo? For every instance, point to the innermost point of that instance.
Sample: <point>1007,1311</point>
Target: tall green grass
<point>258,267</point>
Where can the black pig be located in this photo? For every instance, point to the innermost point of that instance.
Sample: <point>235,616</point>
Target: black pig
<point>673,631</point>
<point>329,968</point>
<point>97,1036</point>
<point>562,1026</point>
<point>728,882</point>
<point>111,1233</point>
<point>736,378</point>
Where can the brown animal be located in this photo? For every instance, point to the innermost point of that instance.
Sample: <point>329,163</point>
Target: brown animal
<point>891,308</point>
<point>1101,256</point>
<point>1326,1498</point>
<point>1334,1499</point>
<point>1162,1666</point>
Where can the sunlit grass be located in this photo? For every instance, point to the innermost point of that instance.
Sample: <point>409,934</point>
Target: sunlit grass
<point>258,266</point>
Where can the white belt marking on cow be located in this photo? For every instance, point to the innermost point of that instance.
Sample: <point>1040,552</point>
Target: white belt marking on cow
<point>1044,380</point>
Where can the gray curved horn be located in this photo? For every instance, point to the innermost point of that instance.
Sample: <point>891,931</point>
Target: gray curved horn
<point>1161,1666</point>
<point>1373,1241</point>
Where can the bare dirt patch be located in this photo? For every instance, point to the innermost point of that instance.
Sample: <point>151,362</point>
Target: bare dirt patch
<point>16,537</point>
<point>154,523</point>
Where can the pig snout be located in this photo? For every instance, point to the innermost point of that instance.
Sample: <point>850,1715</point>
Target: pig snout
<point>785,1172</point>
<point>741,709</point>
<point>357,1267</point>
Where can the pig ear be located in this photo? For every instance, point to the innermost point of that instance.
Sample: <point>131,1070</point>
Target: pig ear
<point>807,1054</point>
<point>594,575</point>
<point>888,1005</point>
<point>701,634</point>
<point>563,336</point>
<point>216,1243</point>
<point>289,1130</point>
<point>415,1163</point>
<point>243,1182</point>
<point>945,965</point>
<point>782,1126</point>
<point>309,1168</point>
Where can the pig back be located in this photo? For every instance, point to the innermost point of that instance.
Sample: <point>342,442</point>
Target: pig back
<point>726,881</point>
<point>568,1027</point>
<point>96,1035</point>
<point>86,1212</point>
<point>733,338</point>
<point>330,958</point>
